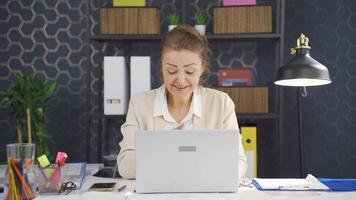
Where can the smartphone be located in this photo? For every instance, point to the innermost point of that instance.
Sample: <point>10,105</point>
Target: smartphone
<point>103,187</point>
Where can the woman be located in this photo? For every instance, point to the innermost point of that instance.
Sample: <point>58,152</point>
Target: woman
<point>181,102</point>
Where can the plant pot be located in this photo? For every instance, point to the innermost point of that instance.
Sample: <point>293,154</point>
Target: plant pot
<point>170,27</point>
<point>200,28</point>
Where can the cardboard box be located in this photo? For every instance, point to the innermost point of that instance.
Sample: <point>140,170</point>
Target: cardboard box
<point>243,19</point>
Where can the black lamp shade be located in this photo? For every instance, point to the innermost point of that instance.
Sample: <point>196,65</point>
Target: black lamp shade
<point>303,70</point>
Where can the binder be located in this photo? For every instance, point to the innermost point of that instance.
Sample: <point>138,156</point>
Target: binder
<point>140,74</point>
<point>115,85</point>
<point>249,142</point>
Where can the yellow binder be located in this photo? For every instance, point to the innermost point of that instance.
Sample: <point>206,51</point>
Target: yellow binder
<point>123,3</point>
<point>249,142</point>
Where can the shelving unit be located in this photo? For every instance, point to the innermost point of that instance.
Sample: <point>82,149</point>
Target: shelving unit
<point>277,36</point>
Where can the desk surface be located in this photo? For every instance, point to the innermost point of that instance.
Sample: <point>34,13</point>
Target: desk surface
<point>242,194</point>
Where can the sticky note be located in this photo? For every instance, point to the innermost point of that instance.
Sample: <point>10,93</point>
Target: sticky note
<point>43,161</point>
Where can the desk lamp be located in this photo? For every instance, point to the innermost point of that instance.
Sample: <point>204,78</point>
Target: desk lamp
<point>301,71</point>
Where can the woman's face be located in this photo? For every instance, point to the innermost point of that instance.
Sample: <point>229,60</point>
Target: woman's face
<point>181,71</point>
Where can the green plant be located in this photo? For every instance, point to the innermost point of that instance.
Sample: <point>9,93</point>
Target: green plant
<point>174,19</point>
<point>28,99</point>
<point>200,18</point>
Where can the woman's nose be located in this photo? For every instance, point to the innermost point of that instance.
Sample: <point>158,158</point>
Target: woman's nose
<point>180,78</point>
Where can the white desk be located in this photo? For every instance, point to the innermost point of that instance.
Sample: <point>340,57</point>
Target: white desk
<point>242,194</point>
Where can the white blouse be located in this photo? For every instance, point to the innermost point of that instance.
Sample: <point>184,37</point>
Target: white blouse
<point>161,109</point>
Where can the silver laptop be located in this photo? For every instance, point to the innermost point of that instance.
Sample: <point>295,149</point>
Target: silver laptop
<point>187,161</point>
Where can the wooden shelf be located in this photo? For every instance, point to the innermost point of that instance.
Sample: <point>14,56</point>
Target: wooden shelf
<point>101,116</point>
<point>138,38</point>
<point>247,36</point>
<point>254,116</point>
<point>242,36</point>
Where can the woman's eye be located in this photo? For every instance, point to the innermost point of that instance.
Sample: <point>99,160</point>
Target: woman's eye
<point>172,72</point>
<point>189,72</point>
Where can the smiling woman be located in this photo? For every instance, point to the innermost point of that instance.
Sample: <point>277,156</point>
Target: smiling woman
<point>181,102</point>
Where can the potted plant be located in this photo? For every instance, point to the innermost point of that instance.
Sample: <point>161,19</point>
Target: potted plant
<point>28,99</point>
<point>173,20</point>
<point>200,19</point>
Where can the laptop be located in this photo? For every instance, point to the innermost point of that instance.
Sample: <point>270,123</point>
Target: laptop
<point>177,161</point>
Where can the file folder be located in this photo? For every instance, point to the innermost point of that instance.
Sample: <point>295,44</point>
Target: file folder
<point>249,142</point>
<point>140,74</point>
<point>115,85</point>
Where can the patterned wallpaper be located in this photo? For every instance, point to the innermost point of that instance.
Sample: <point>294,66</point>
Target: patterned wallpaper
<point>50,38</point>
<point>329,111</point>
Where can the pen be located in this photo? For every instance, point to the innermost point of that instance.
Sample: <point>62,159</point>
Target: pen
<point>294,187</point>
<point>121,187</point>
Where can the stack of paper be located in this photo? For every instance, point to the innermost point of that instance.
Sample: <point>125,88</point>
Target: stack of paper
<point>309,183</point>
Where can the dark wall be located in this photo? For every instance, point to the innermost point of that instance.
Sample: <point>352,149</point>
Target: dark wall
<point>329,111</point>
<point>50,38</point>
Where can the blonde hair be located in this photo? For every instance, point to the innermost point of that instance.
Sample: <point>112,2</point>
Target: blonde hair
<point>185,37</point>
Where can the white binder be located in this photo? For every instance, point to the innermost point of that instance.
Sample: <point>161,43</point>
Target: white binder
<point>140,74</point>
<point>115,85</point>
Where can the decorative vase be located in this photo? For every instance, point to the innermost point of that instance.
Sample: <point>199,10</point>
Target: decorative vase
<point>200,28</point>
<point>171,27</point>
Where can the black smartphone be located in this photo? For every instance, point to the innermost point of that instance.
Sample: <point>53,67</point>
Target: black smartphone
<point>104,187</point>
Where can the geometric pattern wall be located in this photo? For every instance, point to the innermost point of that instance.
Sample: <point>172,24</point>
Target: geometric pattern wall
<point>51,39</point>
<point>329,111</point>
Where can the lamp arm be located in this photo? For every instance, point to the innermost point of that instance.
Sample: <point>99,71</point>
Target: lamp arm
<point>304,92</point>
<point>300,130</point>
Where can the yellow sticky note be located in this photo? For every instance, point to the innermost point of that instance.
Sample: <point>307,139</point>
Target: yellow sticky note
<point>43,160</point>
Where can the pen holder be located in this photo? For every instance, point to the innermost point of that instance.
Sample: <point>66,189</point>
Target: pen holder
<point>21,172</point>
<point>50,179</point>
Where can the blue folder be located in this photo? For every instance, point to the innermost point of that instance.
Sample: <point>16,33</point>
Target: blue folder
<point>332,183</point>
<point>339,184</point>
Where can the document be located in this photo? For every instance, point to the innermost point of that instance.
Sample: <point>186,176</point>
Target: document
<point>308,183</point>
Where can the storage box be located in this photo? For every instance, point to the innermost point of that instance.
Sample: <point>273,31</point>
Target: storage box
<point>243,19</point>
<point>235,77</point>
<point>130,20</point>
<point>248,99</point>
<point>238,2</point>
<point>120,3</point>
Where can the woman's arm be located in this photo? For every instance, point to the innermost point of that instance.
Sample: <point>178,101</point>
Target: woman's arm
<point>126,158</point>
<point>230,122</point>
